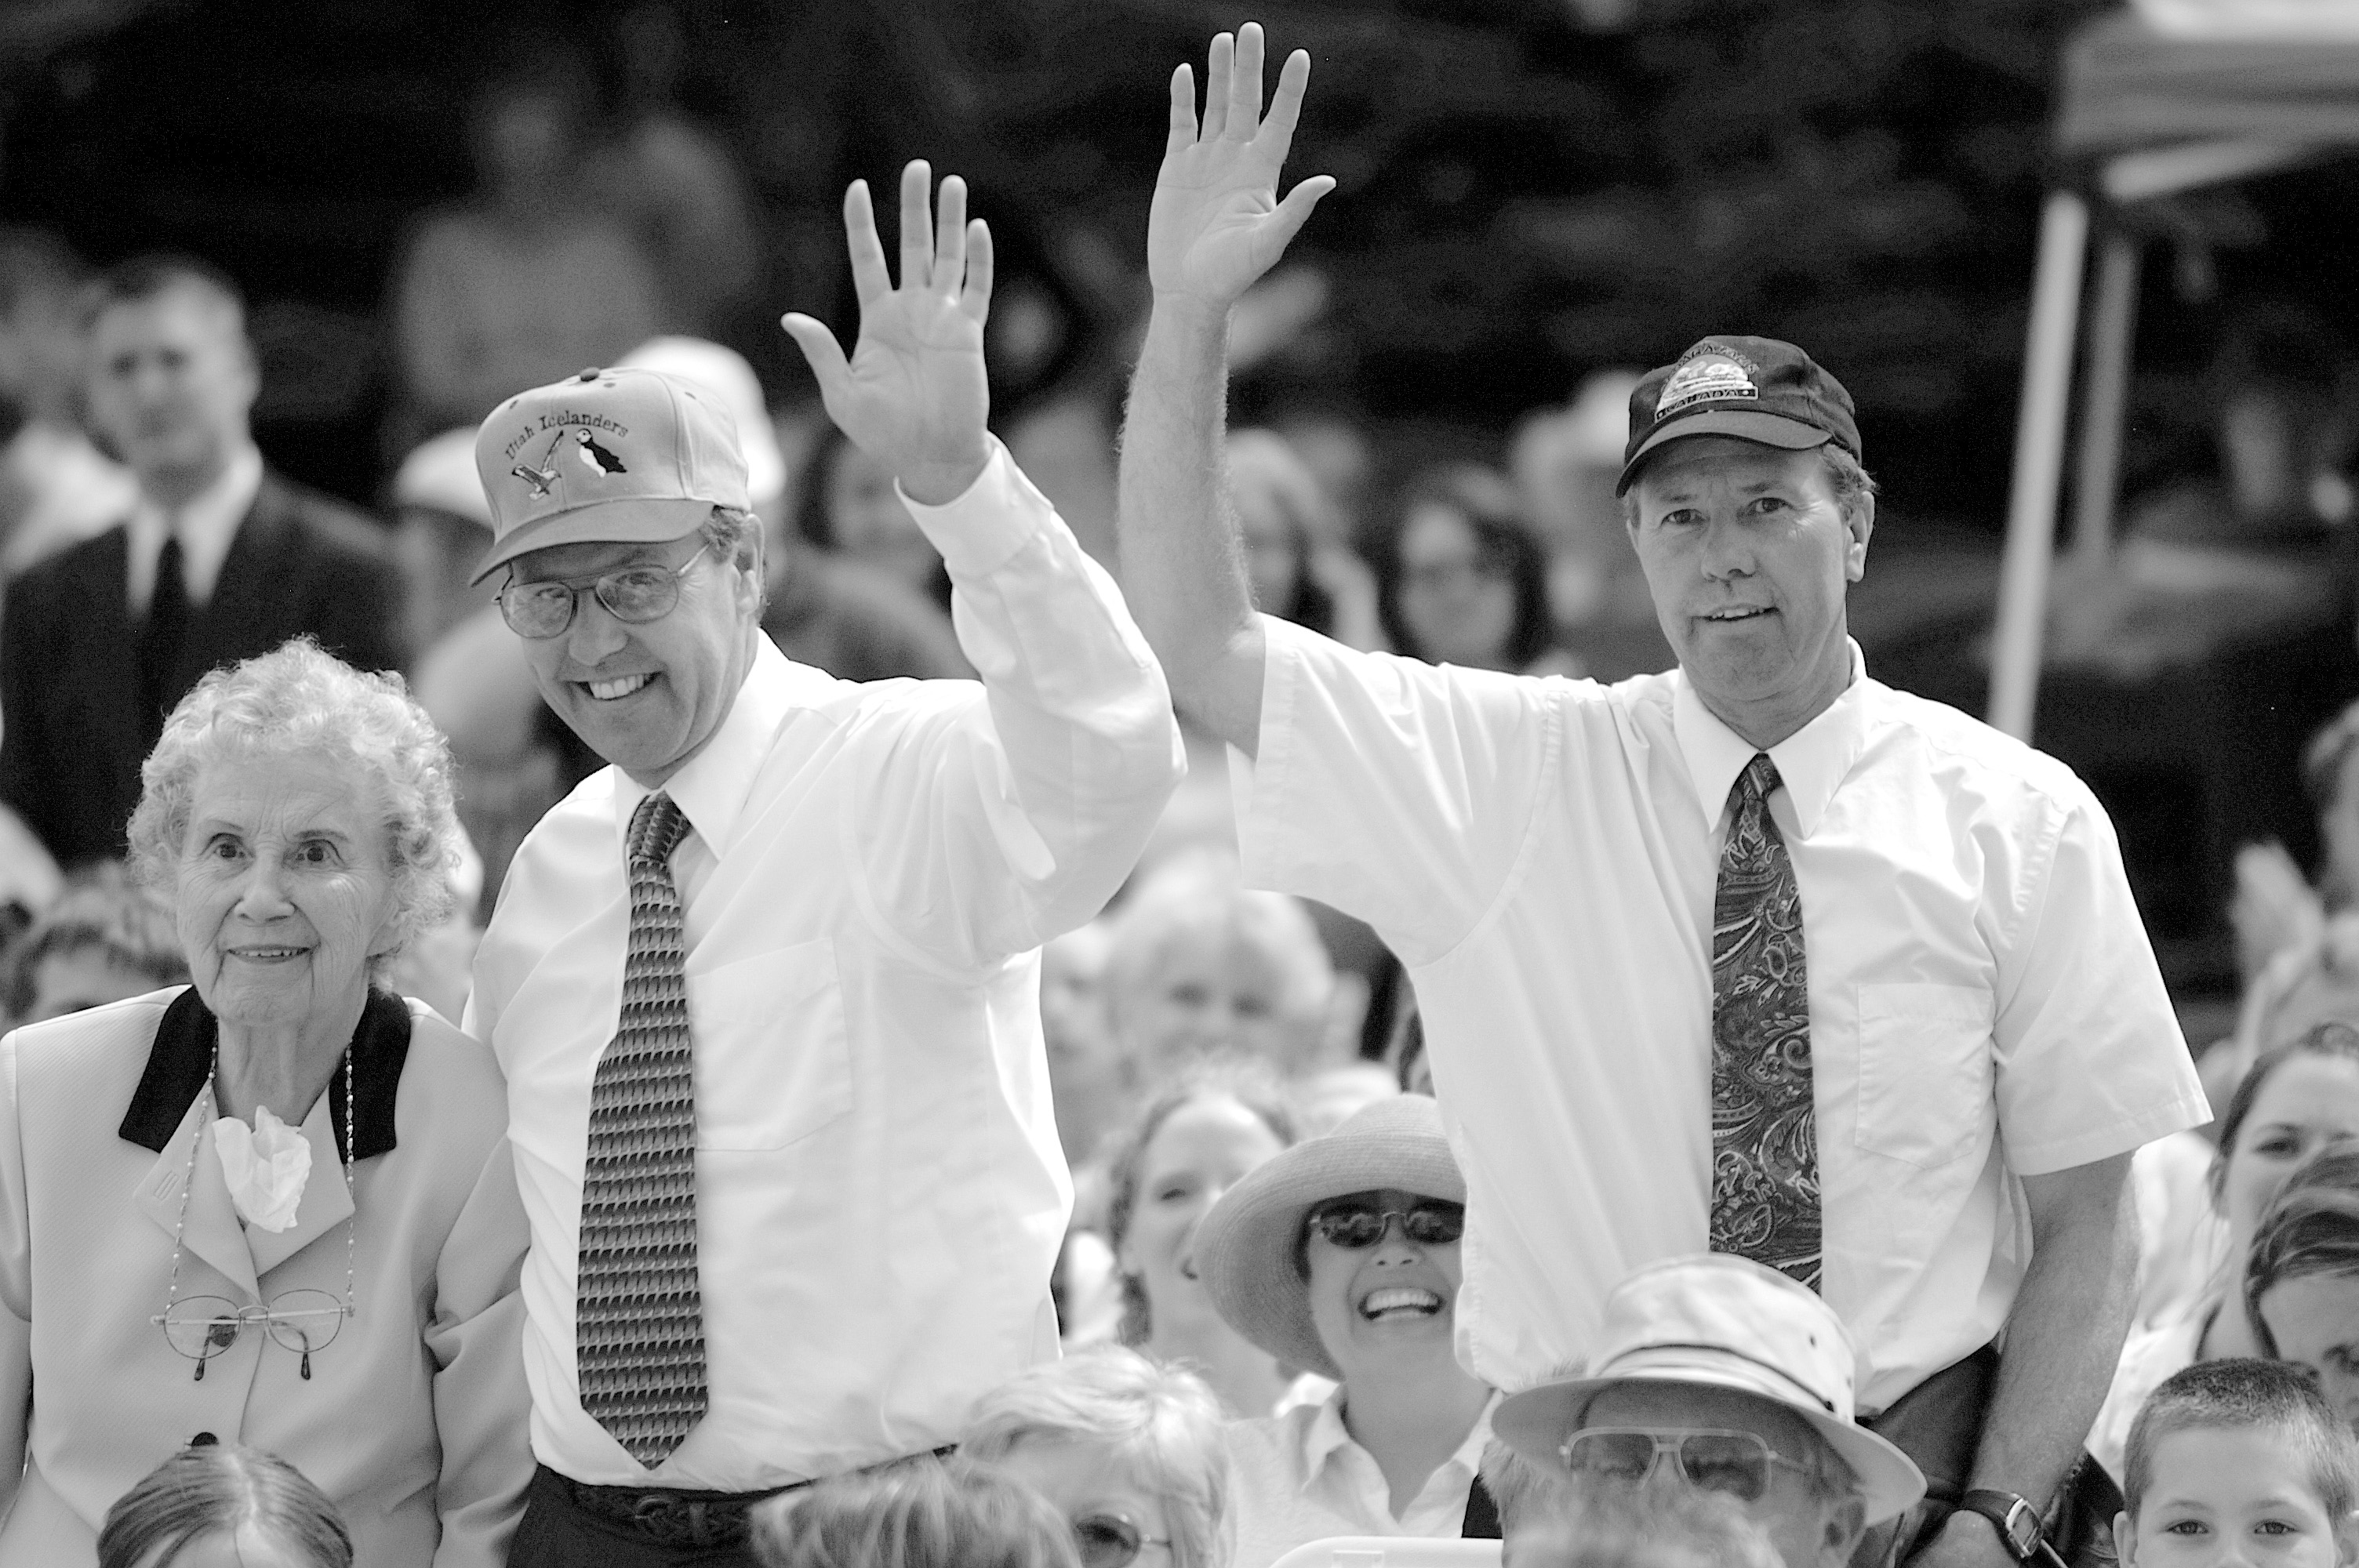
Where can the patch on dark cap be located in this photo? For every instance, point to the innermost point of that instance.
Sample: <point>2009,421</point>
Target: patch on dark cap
<point>1755,389</point>
<point>1707,373</point>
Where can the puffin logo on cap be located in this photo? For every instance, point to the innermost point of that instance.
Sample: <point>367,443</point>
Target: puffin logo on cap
<point>1713,374</point>
<point>595,458</point>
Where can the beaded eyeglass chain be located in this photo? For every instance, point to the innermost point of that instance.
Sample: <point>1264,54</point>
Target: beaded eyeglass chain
<point>351,1228</point>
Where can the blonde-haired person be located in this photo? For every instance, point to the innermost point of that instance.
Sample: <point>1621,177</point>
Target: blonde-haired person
<point>275,1206</point>
<point>1201,967</point>
<point>1129,1451</point>
<point>105,938</point>
<point>1192,1144</point>
<point>923,1512</point>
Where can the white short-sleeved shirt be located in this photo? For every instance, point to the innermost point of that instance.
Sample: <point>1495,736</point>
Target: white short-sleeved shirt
<point>879,1190</point>
<point>1542,854</point>
<point>1298,1477</point>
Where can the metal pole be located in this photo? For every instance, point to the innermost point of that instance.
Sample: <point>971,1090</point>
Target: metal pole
<point>2038,464</point>
<point>2113,320</point>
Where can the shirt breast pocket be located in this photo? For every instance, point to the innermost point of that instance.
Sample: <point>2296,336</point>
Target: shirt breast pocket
<point>1924,1071</point>
<point>772,1060</point>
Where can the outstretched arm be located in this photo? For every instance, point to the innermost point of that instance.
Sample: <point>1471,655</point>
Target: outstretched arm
<point>988,822</point>
<point>1215,226</point>
<point>913,395</point>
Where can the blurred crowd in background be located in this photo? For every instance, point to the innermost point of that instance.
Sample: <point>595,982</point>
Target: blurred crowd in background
<point>392,235</point>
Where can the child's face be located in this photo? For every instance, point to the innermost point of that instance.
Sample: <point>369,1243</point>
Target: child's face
<point>2220,1496</point>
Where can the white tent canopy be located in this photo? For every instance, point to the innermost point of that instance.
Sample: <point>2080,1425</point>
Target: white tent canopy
<point>2142,114</point>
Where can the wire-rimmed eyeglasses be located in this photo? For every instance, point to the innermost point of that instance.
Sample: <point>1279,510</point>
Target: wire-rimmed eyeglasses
<point>201,1327</point>
<point>1710,1459</point>
<point>633,595</point>
<point>1110,1541</point>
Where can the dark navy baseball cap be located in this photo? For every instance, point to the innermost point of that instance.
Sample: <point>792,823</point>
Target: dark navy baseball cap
<point>1755,389</point>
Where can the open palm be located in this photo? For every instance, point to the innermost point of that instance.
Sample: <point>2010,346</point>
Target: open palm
<point>914,394</point>
<point>1216,223</point>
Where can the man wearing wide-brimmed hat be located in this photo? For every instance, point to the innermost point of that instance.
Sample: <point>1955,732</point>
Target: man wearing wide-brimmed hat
<point>1340,1256</point>
<point>1757,955</point>
<point>1716,1373</point>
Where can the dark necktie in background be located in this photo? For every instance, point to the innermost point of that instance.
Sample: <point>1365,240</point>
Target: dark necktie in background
<point>1764,1144</point>
<point>166,630</point>
<point>639,1317</point>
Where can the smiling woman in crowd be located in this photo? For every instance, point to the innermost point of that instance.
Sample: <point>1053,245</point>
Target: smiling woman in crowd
<point>275,1206</point>
<point>2301,1282</point>
<point>1460,579</point>
<point>2295,1100</point>
<point>1192,1145</point>
<point>1341,1255</point>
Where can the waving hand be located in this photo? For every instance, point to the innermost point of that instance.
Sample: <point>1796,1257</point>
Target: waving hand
<point>913,394</point>
<point>1216,223</point>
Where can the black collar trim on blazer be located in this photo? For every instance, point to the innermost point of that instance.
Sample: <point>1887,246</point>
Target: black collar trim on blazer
<point>183,1054</point>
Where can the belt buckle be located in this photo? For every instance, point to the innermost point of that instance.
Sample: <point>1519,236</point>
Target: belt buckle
<point>658,1515</point>
<point>676,1520</point>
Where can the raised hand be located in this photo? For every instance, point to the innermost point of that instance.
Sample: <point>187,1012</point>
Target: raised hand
<point>1216,223</point>
<point>913,394</point>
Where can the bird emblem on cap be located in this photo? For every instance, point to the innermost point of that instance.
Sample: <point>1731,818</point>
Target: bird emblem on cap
<point>541,480</point>
<point>595,458</point>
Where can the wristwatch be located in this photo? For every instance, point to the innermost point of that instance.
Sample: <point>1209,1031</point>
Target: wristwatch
<point>2018,1520</point>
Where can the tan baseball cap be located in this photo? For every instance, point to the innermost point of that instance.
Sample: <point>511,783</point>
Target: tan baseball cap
<point>1727,1322</point>
<point>620,456</point>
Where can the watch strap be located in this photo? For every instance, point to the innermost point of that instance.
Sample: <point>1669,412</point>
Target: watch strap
<point>2018,1523</point>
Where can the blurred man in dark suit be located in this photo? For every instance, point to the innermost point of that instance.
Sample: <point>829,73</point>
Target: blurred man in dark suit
<point>219,560</point>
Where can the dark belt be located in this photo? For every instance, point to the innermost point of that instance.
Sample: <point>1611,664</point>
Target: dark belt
<point>676,1518</point>
<point>671,1517</point>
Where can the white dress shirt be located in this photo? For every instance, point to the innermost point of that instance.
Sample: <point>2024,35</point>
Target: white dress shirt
<point>1300,1476</point>
<point>880,1192</point>
<point>207,526</point>
<point>1543,855</point>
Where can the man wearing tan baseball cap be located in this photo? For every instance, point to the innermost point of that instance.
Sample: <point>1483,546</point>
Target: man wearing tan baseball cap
<point>766,989</point>
<point>1716,1373</point>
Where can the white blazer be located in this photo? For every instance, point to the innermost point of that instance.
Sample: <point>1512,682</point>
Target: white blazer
<point>413,1420</point>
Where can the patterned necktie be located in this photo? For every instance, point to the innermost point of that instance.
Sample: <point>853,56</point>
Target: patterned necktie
<point>1765,1141</point>
<point>639,1323</point>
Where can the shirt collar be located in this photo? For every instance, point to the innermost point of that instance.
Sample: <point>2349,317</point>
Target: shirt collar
<point>207,526</point>
<point>716,784</point>
<point>181,1059</point>
<point>1811,762</point>
<point>1326,1435</point>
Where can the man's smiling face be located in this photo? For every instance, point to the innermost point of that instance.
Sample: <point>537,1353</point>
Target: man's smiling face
<point>1749,555</point>
<point>647,696</point>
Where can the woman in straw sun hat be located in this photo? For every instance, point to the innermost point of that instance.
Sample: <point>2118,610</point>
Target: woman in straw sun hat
<point>1341,1255</point>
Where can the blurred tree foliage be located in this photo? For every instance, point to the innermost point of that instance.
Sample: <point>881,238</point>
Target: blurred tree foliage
<point>1521,198</point>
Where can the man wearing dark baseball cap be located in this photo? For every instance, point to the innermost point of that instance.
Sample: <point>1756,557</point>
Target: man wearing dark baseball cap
<point>765,990</point>
<point>1758,955</point>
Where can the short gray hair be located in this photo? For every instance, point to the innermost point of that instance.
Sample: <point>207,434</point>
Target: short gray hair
<point>1158,1426</point>
<point>736,537</point>
<point>298,700</point>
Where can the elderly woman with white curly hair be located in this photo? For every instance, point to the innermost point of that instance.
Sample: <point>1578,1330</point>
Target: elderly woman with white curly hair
<point>276,1206</point>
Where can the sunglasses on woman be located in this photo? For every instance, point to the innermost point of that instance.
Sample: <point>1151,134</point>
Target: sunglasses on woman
<point>632,595</point>
<point>1709,1459</point>
<point>1357,1222</point>
<point>1110,1541</point>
